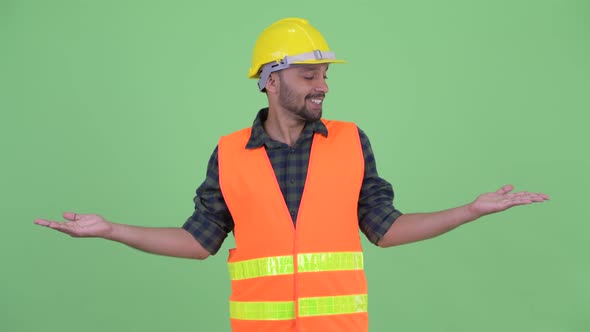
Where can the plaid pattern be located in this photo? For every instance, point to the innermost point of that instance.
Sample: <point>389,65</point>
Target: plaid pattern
<point>212,221</point>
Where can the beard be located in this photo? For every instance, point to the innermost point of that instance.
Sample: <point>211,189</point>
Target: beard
<point>289,99</point>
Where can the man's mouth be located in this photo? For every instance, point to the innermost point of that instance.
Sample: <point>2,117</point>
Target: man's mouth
<point>316,99</point>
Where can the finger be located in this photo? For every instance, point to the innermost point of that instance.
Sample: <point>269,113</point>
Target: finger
<point>517,201</point>
<point>60,226</point>
<point>71,216</point>
<point>530,194</point>
<point>519,194</point>
<point>536,197</point>
<point>48,223</point>
<point>531,197</point>
<point>505,189</point>
<point>42,222</point>
<point>64,227</point>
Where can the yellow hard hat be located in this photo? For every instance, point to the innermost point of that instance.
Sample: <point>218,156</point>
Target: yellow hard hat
<point>287,42</point>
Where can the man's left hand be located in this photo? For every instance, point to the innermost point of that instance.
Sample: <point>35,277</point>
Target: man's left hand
<point>504,199</point>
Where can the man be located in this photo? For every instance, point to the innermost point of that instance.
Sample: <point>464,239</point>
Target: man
<point>295,189</point>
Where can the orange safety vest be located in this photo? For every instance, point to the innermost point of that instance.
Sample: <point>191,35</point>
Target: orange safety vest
<point>306,278</point>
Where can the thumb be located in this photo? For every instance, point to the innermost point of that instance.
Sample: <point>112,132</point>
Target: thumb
<point>505,189</point>
<point>71,216</point>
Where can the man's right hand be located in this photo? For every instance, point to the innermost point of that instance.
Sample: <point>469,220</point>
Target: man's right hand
<point>80,225</point>
<point>175,242</point>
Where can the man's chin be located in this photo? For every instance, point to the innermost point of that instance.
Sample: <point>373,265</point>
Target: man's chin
<point>313,118</point>
<point>313,115</point>
<point>308,115</point>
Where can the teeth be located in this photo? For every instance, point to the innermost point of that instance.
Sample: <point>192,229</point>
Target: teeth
<point>316,101</point>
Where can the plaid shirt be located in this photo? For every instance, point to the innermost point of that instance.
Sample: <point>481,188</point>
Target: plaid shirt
<point>212,221</point>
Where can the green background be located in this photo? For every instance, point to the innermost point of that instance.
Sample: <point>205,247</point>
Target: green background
<point>114,107</point>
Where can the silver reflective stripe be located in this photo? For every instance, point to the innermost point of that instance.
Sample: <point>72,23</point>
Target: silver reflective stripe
<point>330,261</point>
<point>261,267</point>
<point>289,60</point>
<point>308,306</point>
<point>313,55</point>
<point>280,265</point>
<point>333,305</point>
<point>270,310</point>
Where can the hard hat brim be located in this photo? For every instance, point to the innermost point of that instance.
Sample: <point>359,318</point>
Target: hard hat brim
<point>256,74</point>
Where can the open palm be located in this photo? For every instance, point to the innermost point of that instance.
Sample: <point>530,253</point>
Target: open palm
<point>79,225</point>
<point>503,199</point>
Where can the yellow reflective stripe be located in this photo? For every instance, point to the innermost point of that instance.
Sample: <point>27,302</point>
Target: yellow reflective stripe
<point>310,306</point>
<point>261,267</point>
<point>330,261</point>
<point>262,310</point>
<point>315,262</point>
<point>332,305</point>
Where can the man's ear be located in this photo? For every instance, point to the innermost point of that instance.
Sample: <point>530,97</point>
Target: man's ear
<point>273,82</point>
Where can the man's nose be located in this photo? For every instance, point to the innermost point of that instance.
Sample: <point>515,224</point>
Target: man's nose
<point>321,85</point>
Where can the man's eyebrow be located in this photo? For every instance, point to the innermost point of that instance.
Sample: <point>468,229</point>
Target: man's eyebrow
<point>303,68</point>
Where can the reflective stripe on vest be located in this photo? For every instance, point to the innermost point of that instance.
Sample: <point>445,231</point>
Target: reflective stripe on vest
<point>315,262</point>
<point>309,306</point>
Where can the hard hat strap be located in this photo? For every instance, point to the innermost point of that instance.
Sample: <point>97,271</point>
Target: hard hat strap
<point>267,69</point>
<point>313,55</point>
<point>289,60</point>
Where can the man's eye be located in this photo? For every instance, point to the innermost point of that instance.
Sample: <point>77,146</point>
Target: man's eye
<point>313,77</point>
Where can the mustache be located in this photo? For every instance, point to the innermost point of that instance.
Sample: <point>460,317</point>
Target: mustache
<point>316,95</point>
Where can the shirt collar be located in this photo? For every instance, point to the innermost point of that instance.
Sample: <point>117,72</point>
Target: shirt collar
<point>259,137</point>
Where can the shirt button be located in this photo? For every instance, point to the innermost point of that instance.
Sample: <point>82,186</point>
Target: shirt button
<point>292,212</point>
<point>292,181</point>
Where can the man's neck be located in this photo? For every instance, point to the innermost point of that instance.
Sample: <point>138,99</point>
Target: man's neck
<point>283,128</point>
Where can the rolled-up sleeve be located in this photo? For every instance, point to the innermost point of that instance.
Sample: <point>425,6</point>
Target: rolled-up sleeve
<point>211,220</point>
<point>376,211</point>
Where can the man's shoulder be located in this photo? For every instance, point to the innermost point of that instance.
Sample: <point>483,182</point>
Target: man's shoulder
<point>240,134</point>
<point>340,124</point>
<point>326,121</point>
<point>240,131</point>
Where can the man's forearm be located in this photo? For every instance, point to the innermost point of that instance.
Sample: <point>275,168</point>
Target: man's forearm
<point>414,227</point>
<point>161,241</point>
